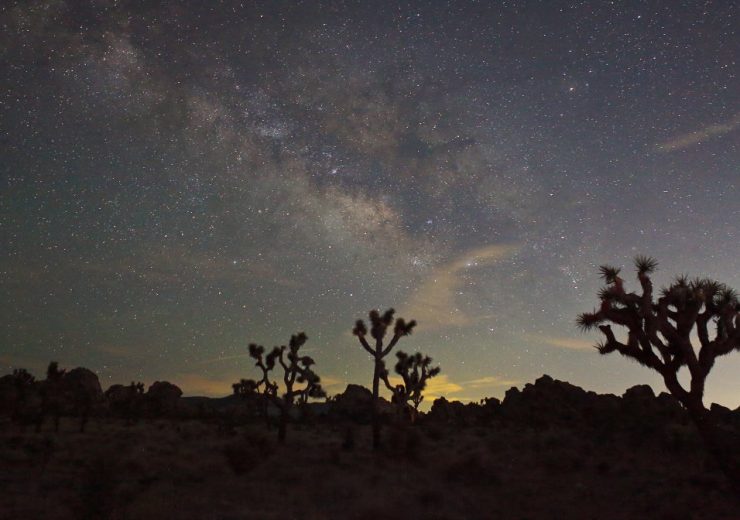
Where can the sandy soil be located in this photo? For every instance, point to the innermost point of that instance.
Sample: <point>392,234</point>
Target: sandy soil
<point>191,469</point>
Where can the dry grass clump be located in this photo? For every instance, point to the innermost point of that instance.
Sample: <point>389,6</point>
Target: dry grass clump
<point>247,453</point>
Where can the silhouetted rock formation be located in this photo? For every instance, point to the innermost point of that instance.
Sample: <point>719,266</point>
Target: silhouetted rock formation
<point>355,403</point>
<point>75,393</point>
<point>163,398</point>
<point>126,401</point>
<point>549,401</point>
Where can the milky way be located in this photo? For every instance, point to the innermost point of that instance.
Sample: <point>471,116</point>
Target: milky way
<point>178,181</point>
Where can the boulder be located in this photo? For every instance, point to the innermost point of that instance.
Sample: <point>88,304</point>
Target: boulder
<point>549,402</point>
<point>125,400</point>
<point>444,411</point>
<point>163,397</point>
<point>639,394</point>
<point>355,403</point>
<point>83,386</point>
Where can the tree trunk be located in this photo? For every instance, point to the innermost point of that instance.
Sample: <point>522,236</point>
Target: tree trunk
<point>715,444</point>
<point>265,405</point>
<point>375,411</point>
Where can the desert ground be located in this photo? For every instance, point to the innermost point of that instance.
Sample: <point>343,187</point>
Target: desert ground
<point>523,459</point>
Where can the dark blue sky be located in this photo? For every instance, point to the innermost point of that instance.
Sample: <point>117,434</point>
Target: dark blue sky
<point>178,181</point>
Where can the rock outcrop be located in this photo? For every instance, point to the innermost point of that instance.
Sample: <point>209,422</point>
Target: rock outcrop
<point>355,404</point>
<point>163,397</point>
<point>549,403</point>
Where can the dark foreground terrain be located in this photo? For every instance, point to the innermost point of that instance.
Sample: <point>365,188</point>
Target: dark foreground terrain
<point>549,451</point>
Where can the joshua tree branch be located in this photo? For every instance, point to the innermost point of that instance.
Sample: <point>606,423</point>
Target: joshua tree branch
<point>366,345</point>
<point>392,344</point>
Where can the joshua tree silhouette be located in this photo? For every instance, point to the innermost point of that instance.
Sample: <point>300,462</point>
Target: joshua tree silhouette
<point>415,370</point>
<point>659,336</point>
<point>378,327</point>
<point>17,395</point>
<point>52,395</point>
<point>75,392</point>
<point>297,370</point>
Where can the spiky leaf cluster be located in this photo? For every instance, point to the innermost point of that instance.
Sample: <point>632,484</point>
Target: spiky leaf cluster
<point>22,377</point>
<point>659,331</point>
<point>53,372</point>
<point>415,370</point>
<point>379,324</point>
<point>245,388</point>
<point>645,264</point>
<point>266,363</point>
<point>298,370</point>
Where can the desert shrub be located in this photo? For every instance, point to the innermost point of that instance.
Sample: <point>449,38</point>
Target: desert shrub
<point>430,497</point>
<point>563,460</point>
<point>434,432</point>
<point>472,468</point>
<point>244,455</point>
<point>603,468</point>
<point>348,443</point>
<point>405,443</point>
<point>241,457</point>
<point>98,487</point>
<point>680,439</point>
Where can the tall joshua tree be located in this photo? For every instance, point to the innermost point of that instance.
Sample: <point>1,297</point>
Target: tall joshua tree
<point>297,371</point>
<point>415,370</point>
<point>52,395</point>
<point>378,328</point>
<point>264,387</point>
<point>659,336</point>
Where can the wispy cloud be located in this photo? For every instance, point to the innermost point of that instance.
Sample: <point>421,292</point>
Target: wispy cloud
<point>196,384</point>
<point>13,361</point>
<point>119,351</point>
<point>219,359</point>
<point>436,387</point>
<point>443,386</point>
<point>333,384</point>
<point>699,136</point>
<point>562,342</point>
<point>490,382</point>
<point>435,302</point>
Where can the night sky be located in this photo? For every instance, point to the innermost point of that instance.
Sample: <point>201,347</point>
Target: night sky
<point>180,180</point>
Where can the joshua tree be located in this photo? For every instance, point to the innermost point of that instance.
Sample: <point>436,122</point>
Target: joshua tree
<point>17,392</point>
<point>249,389</point>
<point>659,336</point>
<point>378,327</point>
<point>245,387</point>
<point>297,370</point>
<point>75,392</point>
<point>52,395</point>
<point>23,377</point>
<point>415,371</point>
